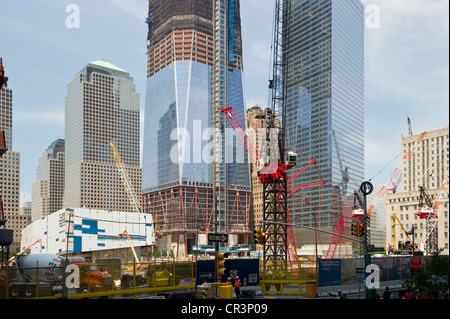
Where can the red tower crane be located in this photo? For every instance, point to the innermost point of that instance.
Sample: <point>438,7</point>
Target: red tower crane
<point>272,174</point>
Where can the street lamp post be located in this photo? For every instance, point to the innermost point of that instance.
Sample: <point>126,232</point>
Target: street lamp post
<point>366,189</point>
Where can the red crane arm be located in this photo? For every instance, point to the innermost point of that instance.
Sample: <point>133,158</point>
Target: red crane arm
<point>240,133</point>
<point>301,171</point>
<point>295,189</point>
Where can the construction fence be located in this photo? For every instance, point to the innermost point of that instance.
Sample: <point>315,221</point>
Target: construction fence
<point>107,279</point>
<point>349,271</point>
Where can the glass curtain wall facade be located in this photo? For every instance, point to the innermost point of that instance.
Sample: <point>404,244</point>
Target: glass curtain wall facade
<point>178,125</point>
<point>325,106</point>
<point>102,107</point>
<point>178,146</point>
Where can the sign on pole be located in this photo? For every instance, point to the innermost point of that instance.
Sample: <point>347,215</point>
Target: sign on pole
<point>217,238</point>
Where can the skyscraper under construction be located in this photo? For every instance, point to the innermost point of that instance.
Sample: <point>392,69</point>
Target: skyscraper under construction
<point>195,173</point>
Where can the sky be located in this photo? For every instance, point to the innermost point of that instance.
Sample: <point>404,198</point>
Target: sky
<point>406,67</point>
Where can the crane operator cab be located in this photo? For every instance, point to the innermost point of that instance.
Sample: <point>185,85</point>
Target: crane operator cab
<point>291,160</point>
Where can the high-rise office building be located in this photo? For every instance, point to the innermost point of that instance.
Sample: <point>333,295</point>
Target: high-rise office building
<point>102,107</point>
<point>10,170</point>
<point>47,192</point>
<point>194,61</point>
<point>427,166</point>
<point>325,107</point>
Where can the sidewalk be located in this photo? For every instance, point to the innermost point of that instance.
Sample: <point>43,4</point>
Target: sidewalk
<point>355,288</point>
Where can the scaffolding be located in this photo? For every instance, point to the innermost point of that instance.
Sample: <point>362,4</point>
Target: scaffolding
<point>184,212</point>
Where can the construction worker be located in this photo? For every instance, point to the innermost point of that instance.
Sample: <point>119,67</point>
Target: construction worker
<point>237,287</point>
<point>338,296</point>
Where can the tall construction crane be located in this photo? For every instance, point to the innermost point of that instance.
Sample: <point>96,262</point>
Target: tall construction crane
<point>430,212</point>
<point>274,161</point>
<point>275,197</point>
<point>271,164</point>
<point>395,177</point>
<point>126,180</point>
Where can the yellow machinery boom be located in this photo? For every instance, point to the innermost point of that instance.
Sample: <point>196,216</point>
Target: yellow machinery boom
<point>131,244</point>
<point>21,252</point>
<point>401,225</point>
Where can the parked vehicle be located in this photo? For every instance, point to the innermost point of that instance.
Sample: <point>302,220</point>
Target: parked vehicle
<point>43,275</point>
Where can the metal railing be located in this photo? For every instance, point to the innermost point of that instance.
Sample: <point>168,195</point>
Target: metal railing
<point>287,280</point>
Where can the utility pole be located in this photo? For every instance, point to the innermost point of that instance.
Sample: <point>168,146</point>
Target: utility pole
<point>366,189</point>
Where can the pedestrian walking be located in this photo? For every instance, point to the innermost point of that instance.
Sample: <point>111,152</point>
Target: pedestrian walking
<point>443,294</point>
<point>387,294</point>
<point>409,295</point>
<point>237,287</point>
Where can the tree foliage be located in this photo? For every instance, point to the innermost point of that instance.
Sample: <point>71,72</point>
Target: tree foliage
<point>432,279</point>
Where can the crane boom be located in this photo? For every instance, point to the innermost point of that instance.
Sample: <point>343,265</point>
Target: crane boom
<point>126,180</point>
<point>390,184</point>
<point>403,228</point>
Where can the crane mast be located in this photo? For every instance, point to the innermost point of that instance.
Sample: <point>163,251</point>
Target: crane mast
<point>271,159</point>
<point>430,212</point>
<point>276,249</point>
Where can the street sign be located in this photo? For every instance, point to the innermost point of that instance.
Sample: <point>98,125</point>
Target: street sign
<point>366,188</point>
<point>206,275</point>
<point>217,238</point>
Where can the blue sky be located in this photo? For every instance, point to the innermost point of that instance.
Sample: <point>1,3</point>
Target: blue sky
<point>406,67</point>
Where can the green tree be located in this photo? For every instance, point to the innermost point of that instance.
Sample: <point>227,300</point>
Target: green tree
<point>156,254</point>
<point>433,277</point>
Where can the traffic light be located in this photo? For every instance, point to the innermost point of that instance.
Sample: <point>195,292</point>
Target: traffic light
<point>260,236</point>
<point>362,233</point>
<point>355,229</point>
<point>222,264</point>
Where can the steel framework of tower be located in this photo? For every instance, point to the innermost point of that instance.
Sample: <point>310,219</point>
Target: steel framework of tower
<point>188,208</point>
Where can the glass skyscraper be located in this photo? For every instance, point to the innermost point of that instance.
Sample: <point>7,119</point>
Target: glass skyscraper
<point>325,106</point>
<point>178,113</point>
<point>194,62</point>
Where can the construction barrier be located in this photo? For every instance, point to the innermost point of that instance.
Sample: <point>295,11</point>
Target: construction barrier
<point>311,289</point>
<point>287,280</point>
<point>225,292</point>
